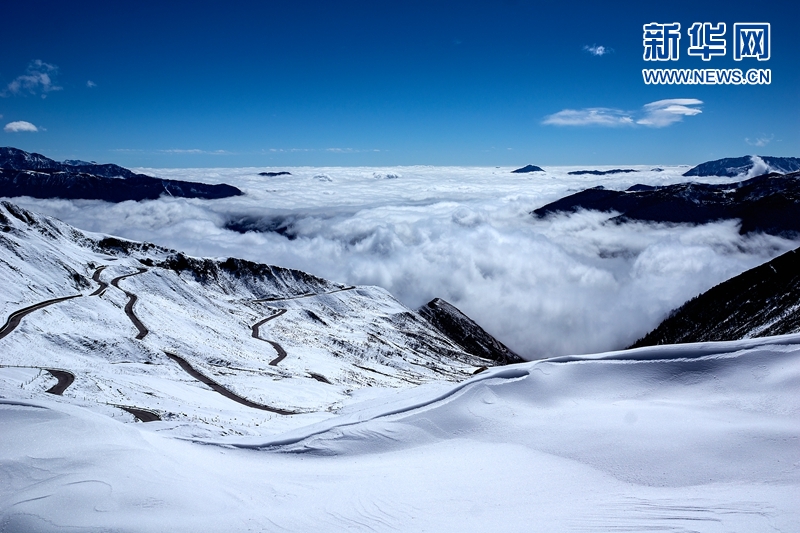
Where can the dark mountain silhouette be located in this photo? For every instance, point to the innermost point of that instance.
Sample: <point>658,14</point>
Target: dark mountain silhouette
<point>602,172</point>
<point>273,174</point>
<point>527,168</point>
<point>31,174</point>
<point>768,203</point>
<point>465,332</point>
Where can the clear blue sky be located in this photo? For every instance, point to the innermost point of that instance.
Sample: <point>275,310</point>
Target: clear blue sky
<point>379,83</point>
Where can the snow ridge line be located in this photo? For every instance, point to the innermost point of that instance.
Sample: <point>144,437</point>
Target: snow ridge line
<point>507,372</point>
<point>143,331</point>
<point>693,350</point>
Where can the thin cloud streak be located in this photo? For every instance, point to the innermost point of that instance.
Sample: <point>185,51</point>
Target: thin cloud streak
<point>659,114</point>
<point>666,112</point>
<point>592,116</point>
<point>760,141</point>
<point>191,151</point>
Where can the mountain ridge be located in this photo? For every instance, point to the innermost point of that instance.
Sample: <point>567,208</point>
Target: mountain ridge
<point>31,174</point>
<point>769,203</point>
<point>737,166</point>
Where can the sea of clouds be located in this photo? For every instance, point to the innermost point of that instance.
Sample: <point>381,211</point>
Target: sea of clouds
<point>563,285</point>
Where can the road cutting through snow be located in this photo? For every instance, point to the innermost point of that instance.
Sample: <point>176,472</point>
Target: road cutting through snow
<point>16,317</point>
<point>278,348</point>
<point>189,369</point>
<point>143,331</point>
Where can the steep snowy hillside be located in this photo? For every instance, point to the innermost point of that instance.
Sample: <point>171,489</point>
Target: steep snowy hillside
<point>26,174</point>
<point>153,332</point>
<point>465,332</point>
<point>761,302</point>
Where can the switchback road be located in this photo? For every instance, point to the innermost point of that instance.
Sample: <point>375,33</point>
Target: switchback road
<point>278,348</point>
<point>132,300</point>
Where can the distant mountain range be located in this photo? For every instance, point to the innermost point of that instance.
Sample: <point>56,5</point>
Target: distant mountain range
<point>738,166</point>
<point>768,203</point>
<point>30,174</point>
<point>761,302</point>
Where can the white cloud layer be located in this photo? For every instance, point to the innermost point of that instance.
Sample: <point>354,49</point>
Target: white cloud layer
<point>18,126</point>
<point>657,114</point>
<point>37,80</point>
<point>570,284</point>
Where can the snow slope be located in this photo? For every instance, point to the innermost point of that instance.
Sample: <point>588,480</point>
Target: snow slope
<point>398,436</point>
<point>679,438</point>
<point>229,320</point>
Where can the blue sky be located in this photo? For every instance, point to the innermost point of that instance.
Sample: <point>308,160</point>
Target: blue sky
<point>185,84</point>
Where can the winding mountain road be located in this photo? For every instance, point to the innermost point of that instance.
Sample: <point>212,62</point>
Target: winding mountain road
<point>143,331</point>
<point>143,415</point>
<point>96,279</point>
<point>64,378</point>
<point>278,348</point>
<point>222,390</point>
<point>16,317</point>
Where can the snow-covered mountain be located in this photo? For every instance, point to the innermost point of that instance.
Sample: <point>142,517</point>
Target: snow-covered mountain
<point>31,174</point>
<point>769,203</point>
<point>131,322</point>
<point>739,166</point>
<point>761,302</point>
